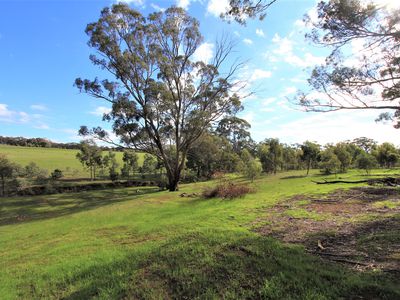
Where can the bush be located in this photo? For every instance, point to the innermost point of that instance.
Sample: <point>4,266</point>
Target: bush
<point>113,175</point>
<point>227,190</point>
<point>57,174</point>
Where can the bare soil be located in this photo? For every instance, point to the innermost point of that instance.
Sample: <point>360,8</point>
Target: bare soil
<point>352,226</point>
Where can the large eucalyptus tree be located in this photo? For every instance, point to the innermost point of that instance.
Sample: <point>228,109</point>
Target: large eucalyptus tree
<point>162,98</point>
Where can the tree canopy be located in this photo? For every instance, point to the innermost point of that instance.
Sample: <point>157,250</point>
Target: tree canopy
<point>240,10</point>
<point>363,69</point>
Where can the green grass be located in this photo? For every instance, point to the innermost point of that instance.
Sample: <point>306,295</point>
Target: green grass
<point>156,245</point>
<point>52,158</point>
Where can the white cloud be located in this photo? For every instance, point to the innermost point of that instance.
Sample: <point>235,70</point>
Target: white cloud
<point>288,91</point>
<point>4,111</point>
<point>157,7</point>
<point>100,111</point>
<point>23,117</point>
<point>217,7</point>
<point>268,101</point>
<point>285,52</point>
<point>390,4</point>
<point>236,33</point>
<point>41,126</point>
<point>39,107</point>
<point>260,74</point>
<point>204,53</point>
<point>285,46</point>
<point>260,32</point>
<point>11,116</point>
<point>183,3</point>
<point>248,41</point>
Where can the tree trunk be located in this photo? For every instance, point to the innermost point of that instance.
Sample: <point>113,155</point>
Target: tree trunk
<point>173,184</point>
<point>173,179</point>
<point>308,166</point>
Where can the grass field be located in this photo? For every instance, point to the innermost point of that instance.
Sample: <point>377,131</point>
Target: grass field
<point>145,244</point>
<point>52,158</point>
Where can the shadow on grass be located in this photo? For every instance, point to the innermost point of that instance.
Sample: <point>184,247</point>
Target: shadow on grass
<point>22,209</point>
<point>219,265</point>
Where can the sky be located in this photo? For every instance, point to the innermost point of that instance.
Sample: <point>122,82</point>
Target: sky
<point>43,48</point>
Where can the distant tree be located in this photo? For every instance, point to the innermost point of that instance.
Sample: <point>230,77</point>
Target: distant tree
<point>236,131</point>
<point>251,168</point>
<point>203,157</point>
<point>110,161</point>
<point>310,152</point>
<point>8,171</point>
<point>130,159</point>
<point>370,79</point>
<point>343,155</point>
<point>270,155</point>
<point>162,98</point>
<point>34,172</point>
<point>365,144</point>
<point>366,162</point>
<point>90,156</point>
<point>329,164</point>
<point>387,155</point>
<point>149,164</point>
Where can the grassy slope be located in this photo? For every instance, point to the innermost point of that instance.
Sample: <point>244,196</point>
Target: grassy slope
<point>51,158</point>
<point>112,244</point>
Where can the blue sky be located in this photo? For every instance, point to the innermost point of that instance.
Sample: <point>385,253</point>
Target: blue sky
<point>43,49</point>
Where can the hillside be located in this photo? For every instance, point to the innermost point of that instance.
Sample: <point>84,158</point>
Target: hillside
<point>144,244</point>
<point>52,158</point>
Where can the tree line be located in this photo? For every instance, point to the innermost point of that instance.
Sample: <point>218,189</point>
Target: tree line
<point>39,142</point>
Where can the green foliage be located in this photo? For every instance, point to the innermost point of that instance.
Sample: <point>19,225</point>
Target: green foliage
<point>236,131</point>
<point>130,159</point>
<point>90,156</point>
<point>343,155</point>
<point>370,82</point>
<point>149,164</point>
<point>387,155</point>
<point>310,152</point>
<point>251,167</point>
<point>366,162</point>
<point>330,164</point>
<point>110,161</point>
<point>57,174</point>
<point>8,172</point>
<point>242,10</point>
<point>33,172</point>
<point>270,155</point>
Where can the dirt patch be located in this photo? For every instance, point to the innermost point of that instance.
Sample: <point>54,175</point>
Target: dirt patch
<point>359,226</point>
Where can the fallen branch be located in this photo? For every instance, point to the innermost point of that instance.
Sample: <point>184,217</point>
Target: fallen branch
<point>389,181</point>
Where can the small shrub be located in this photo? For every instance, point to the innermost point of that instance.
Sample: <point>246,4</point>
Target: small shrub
<point>114,175</point>
<point>57,174</point>
<point>227,190</point>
